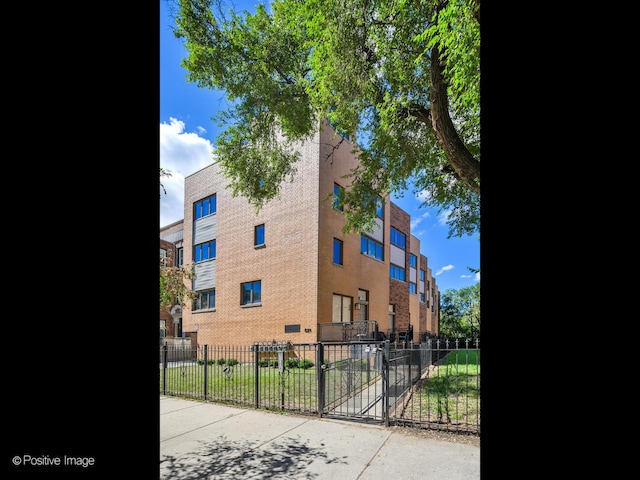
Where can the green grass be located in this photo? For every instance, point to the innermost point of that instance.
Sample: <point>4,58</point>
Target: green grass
<point>451,391</point>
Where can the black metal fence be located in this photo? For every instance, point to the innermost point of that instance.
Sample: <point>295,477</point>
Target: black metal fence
<point>431,385</point>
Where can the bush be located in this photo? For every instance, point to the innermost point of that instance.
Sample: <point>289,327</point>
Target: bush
<point>305,364</point>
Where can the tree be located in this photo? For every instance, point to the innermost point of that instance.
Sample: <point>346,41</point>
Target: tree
<point>163,173</point>
<point>460,312</point>
<point>172,278</point>
<point>173,288</point>
<point>401,77</point>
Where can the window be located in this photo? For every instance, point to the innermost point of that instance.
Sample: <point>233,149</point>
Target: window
<point>413,288</point>
<point>422,275</point>
<point>338,197</point>
<point>392,317</point>
<point>341,308</point>
<point>206,206</point>
<point>204,300</point>
<point>204,251</point>
<point>337,251</point>
<point>363,305</point>
<point>397,238</point>
<point>180,255</point>
<point>397,272</point>
<point>413,260</point>
<point>371,248</point>
<point>258,235</point>
<point>428,297</point>
<point>251,293</point>
<point>380,208</point>
<point>163,328</point>
<point>163,256</point>
<point>421,297</point>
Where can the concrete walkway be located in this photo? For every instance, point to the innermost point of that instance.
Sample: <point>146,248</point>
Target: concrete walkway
<point>201,440</point>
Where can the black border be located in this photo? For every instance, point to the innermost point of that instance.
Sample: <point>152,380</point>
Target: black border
<point>82,207</point>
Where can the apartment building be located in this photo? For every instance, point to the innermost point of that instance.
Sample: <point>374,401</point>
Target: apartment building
<point>288,272</point>
<point>171,254</point>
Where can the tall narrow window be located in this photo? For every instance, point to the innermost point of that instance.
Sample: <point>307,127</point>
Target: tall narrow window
<point>379,208</point>
<point>337,251</point>
<point>342,308</point>
<point>413,260</point>
<point>392,317</point>
<point>338,194</point>
<point>258,235</point>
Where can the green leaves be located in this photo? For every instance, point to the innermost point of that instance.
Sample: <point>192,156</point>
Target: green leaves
<point>365,65</point>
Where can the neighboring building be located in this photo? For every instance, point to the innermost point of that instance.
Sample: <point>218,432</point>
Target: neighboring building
<point>171,250</point>
<point>288,273</point>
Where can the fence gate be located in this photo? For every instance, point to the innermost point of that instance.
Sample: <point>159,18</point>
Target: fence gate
<point>352,381</point>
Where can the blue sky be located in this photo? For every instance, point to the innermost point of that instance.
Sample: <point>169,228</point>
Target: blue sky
<point>187,136</point>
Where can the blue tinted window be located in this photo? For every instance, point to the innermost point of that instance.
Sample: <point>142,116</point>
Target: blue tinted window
<point>379,208</point>
<point>396,272</point>
<point>337,197</point>
<point>397,238</point>
<point>337,251</point>
<point>251,292</point>
<point>371,247</point>
<point>259,235</point>
<point>204,251</point>
<point>204,207</point>
<point>413,260</point>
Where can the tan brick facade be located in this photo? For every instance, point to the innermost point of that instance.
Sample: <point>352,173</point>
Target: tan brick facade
<point>295,264</point>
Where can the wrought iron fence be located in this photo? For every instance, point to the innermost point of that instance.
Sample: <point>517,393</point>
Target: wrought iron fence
<point>433,385</point>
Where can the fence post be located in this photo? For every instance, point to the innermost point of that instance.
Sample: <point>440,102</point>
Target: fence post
<point>257,373</point>
<point>164,369</point>
<point>320,369</point>
<point>206,369</point>
<point>385,383</point>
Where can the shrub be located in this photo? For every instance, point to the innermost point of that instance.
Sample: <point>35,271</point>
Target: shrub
<point>292,363</point>
<point>232,361</point>
<point>305,364</point>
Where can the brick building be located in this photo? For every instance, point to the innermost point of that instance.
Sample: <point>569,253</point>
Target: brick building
<point>288,273</point>
<point>171,254</point>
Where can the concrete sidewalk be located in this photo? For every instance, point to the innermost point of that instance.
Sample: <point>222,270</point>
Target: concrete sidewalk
<point>201,440</point>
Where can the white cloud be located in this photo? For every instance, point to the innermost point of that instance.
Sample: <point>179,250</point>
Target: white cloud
<point>444,269</point>
<point>181,154</point>
<point>443,218</point>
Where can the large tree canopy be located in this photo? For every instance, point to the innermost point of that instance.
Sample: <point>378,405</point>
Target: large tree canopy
<point>401,77</point>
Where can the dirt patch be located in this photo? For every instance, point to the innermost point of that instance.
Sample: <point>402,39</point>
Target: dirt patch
<point>465,438</point>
